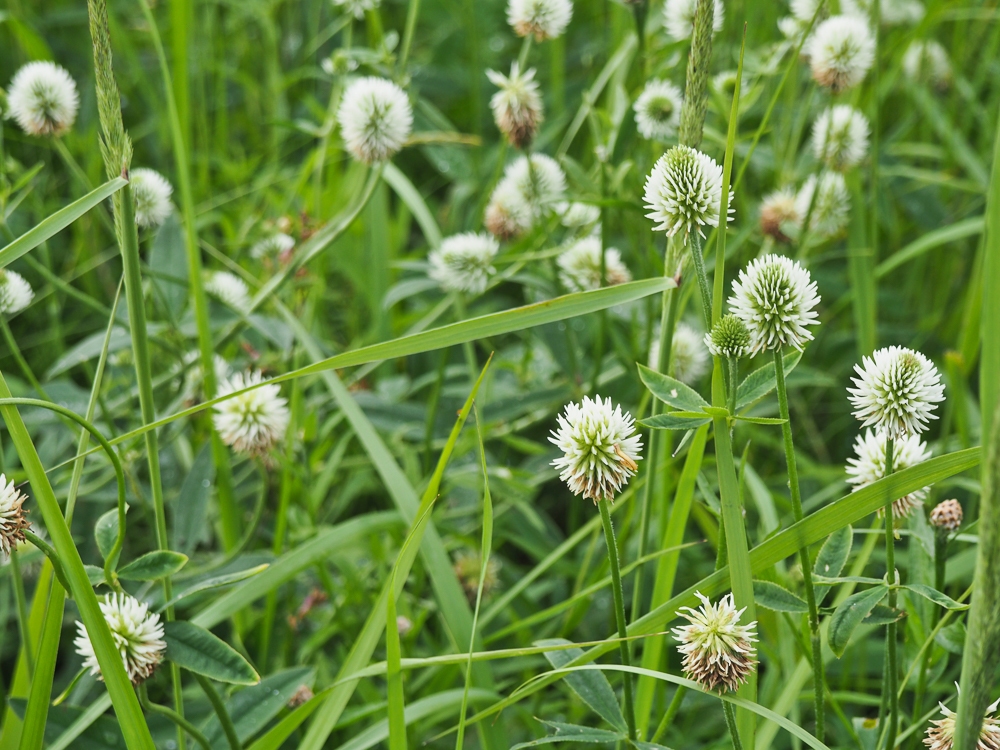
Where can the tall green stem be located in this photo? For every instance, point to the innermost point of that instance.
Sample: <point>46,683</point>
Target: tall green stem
<point>892,675</point>
<point>22,611</point>
<point>702,274</point>
<point>793,484</point>
<point>619,597</point>
<point>730,713</point>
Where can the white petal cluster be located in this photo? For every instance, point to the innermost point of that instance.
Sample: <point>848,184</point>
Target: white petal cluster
<point>941,732</point>
<point>927,62</point>
<point>678,17</point>
<point>840,137</point>
<point>277,244</point>
<point>252,422</point>
<point>530,189</point>
<point>12,520</point>
<point>357,8</point>
<point>517,105</point>
<point>152,197</point>
<point>718,652</point>
<point>599,448</point>
<point>658,110</point>
<point>137,632</point>
<point>543,19</point>
<point>893,12</point>
<point>580,266</point>
<point>464,262</point>
<point>795,25</point>
<point>775,297</point>
<point>684,192</point>
<point>831,207</point>
<point>375,119</point>
<point>841,51</point>
<point>777,210</point>
<point>42,99</point>
<point>688,354</point>
<point>868,466</point>
<point>577,215</point>
<point>15,292</point>
<point>229,288</point>
<point>896,392</point>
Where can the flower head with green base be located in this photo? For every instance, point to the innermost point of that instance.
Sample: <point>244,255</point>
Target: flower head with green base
<point>683,192</point>
<point>896,392</point>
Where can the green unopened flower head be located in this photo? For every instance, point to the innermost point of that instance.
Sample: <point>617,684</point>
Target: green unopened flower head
<point>729,337</point>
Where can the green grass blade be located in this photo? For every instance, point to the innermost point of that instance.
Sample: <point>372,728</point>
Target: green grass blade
<point>860,266</point>
<point>407,193</point>
<point>58,221</point>
<point>929,241</point>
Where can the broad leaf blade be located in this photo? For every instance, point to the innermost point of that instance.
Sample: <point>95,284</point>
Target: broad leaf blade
<point>153,566</point>
<point>199,651</point>
<point>831,558</point>
<point>671,391</point>
<point>850,614</point>
<point>762,381</point>
<point>777,598</point>
<point>592,688</point>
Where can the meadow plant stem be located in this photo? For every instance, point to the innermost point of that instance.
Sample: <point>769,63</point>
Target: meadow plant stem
<point>22,364</point>
<point>819,681</point>
<point>522,56</point>
<point>411,24</point>
<point>619,597</point>
<point>730,712</point>
<point>183,725</point>
<point>220,711</point>
<point>890,634</point>
<point>733,366</point>
<point>702,275</point>
<point>22,611</point>
<point>668,717</point>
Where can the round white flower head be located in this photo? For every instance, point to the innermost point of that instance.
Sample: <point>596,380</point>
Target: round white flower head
<point>528,191</point>
<point>893,12</point>
<point>375,119</point>
<point>776,211</point>
<point>927,62</point>
<point>42,98</point>
<point>357,8</point>
<point>840,52</point>
<point>678,17</point>
<point>729,337</point>
<point>517,106</point>
<point>947,515</point>
<point>543,19</point>
<point>840,137</point>
<point>941,732</point>
<point>897,391</point>
<point>831,207</point>
<point>688,355</point>
<point>804,10</point>
<point>658,110</point>
<point>718,652</point>
<point>868,466</point>
<point>578,215</point>
<point>12,521</point>
<point>277,244</point>
<point>580,266</point>
<point>464,262</point>
<point>152,197</point>
<point>229,288</point>
<point>684,191</point>
<point>599,448</point>
<point>15,292</point>
<point>253,421</point>
<point>137,632</point>
<point>508,213</point>
<point>775,298</point>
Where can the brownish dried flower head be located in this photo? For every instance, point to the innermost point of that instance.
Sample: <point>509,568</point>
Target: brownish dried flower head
<point>947,515</point>
<point>778,209</point>
<point>718,652</point>
<point>12,521</point>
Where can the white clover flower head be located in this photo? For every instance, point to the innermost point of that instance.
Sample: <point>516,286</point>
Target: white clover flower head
<point>15,292</point>
<point>252,422</point>
<point>896,392</point>
<point>508,213</point>
<point>600,451</point>
<point>464,262</point>
<point>683,192</point>
<point>840,137</point>
<point>543,19</point>
<point>517,106</point>
<point>375,119</point>
<point>831,207</point>
<point>137,632</point>
<point>718,652</point>
<point>229,288</point>
<point>578,215</point>
<point>941,732</point>
<point>580,266</point>
<point>278,243</point>
<point>804,10</point>
<point>12,516</point>
<point>776,298</point>
<point>658,110</point>
<point>729,337</point>
<point>357,8</point>
<point>42,99</point>
<point>947,515</point>
<point>688,354</point>
<point>678,17</point>
<point>530,189</point>
<point>841,51</point>
<point>778,210</point>
<point>868,466</point>
<point>152,197</point>
<point>893,12</point>
<point>927,62</point>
